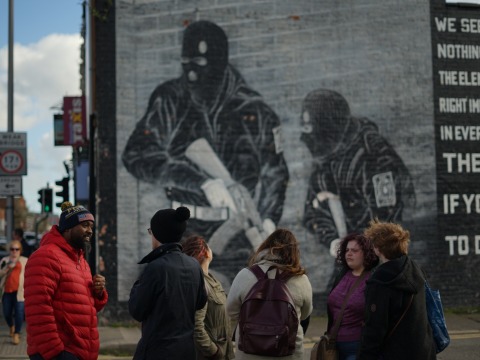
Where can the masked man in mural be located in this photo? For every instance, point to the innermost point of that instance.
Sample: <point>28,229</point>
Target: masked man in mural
<point>356,174</point>
<point>214,145</point>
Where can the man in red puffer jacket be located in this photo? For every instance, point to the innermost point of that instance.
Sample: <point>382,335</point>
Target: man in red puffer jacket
<point>61,296</point>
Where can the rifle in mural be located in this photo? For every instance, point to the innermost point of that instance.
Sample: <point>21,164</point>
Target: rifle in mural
<point>243,212</point>
<point>338,216</point>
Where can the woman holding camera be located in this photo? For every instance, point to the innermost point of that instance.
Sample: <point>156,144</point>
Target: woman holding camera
<point>12,270</point>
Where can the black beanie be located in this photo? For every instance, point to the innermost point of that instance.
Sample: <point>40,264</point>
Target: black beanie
<point>168,225</point>
<point>71,216</point>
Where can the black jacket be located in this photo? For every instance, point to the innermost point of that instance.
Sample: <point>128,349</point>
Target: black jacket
<point>388,292</point>
<point>165,299</point>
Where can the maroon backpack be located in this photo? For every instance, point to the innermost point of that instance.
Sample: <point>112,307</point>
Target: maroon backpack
<point>268,321</point>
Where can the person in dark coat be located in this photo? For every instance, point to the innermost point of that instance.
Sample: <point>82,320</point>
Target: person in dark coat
<point>356,174</point>
<point>168,293</point>
<point>211,102</point>
<point>395,288</point>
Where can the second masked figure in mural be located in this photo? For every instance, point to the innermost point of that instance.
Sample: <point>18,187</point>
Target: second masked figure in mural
<point>214,145</point>
<point>356,175</point>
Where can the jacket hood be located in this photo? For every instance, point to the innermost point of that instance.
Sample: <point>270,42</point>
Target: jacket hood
<point>160,251</point>
<point>401,273</point>
<point>54,237</point>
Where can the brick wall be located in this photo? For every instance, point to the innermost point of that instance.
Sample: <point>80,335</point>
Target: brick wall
<point>377,54</point>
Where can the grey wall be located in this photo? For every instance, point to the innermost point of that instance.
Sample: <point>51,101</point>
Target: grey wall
<point>377,54</point>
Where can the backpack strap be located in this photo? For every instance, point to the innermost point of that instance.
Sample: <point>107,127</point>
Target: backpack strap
<point>258,272</point>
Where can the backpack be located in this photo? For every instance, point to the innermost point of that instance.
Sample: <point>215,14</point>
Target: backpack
<point>268,322</point>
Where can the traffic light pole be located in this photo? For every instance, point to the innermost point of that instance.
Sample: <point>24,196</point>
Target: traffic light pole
<point>37,222</point>
<point>9,207</point>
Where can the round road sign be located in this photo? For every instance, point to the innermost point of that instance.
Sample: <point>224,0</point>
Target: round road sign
<point>11,161</point>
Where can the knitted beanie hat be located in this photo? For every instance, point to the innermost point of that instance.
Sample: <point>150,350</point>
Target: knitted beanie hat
<point>72,216</point>
<point>168,225</point>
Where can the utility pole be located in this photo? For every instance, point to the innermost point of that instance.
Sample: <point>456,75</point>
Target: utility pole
<point>9,209</point>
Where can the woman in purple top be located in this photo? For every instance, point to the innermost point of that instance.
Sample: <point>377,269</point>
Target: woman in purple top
<point>356,255</point>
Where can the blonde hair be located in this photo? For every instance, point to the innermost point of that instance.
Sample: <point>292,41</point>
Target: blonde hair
<point>390,239</point>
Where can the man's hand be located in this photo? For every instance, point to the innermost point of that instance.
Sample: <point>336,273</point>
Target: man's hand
<point>98,284</point>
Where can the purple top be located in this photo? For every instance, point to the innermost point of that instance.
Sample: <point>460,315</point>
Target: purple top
<point>351,325</point>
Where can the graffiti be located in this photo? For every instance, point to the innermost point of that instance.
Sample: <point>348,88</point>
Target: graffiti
<point>356,174</point>
<point>214,146</point>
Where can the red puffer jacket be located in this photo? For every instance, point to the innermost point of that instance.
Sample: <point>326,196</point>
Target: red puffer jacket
<point>60,306</point>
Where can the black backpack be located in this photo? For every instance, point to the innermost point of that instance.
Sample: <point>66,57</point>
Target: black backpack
<point>268,322</point>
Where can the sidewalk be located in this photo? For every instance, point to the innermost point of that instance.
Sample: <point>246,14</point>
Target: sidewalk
<point>118,343</point>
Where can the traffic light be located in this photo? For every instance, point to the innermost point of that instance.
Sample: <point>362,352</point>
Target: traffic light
<point>48,200</point>
<point>64,193</point>
<point>45,199</point>
<point>41,198</point>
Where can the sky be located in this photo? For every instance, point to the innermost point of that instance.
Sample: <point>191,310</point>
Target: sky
<point>46,35</point>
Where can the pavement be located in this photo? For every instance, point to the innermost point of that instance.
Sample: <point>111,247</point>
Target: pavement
<point>118,343</point>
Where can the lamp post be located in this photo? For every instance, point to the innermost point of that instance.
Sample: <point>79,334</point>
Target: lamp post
<point>9,207</point>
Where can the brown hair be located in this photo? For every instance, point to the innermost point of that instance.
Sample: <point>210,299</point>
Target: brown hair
<point>370,260</point>
<point>390,239</point>
<point>196,247</point>
<point>284,246</point>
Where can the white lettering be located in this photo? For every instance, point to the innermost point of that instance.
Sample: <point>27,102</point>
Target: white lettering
<point>446,24</point>
<point>468,162</point>
<point>467,133</point>
<point>474,105</point>
<point>446,132</point>
<point>459,78</point>
<point>451,239</point>
<point>462,244</point>
<point>452,105</point>
<point>470,25</point>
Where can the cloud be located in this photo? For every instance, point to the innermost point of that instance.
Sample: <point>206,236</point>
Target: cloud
<point>44,72</point>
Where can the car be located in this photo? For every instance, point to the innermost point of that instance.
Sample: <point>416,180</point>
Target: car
<point>30,238</point>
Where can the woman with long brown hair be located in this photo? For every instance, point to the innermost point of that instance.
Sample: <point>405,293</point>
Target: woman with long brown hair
<point>278,253</point>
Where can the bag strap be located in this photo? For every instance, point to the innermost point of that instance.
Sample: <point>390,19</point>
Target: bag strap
<point>401,318</point>
<point>338,320</point>
<point>258,272</point>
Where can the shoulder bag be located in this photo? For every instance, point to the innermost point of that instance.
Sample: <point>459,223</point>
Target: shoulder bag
<point>436,318</point>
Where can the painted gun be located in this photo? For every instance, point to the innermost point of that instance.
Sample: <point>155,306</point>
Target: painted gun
<point>246,218</point>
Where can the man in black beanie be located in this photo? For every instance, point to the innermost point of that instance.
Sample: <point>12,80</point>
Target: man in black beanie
<point>168,292</point>
<point>62,297</point>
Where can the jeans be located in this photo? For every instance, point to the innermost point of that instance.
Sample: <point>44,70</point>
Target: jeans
<point>13,309</point>
<point>347,350</point>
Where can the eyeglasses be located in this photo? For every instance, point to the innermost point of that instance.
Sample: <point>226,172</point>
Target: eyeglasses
<point>14,249</point>
<point>149,231</point>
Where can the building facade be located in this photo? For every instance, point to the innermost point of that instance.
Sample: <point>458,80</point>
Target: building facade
<point>312,115</point>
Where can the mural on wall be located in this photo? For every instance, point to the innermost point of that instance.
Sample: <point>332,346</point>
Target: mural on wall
<point>214,146</point>
<point>356,176</point>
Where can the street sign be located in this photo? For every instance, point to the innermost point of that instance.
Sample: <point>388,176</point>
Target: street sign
<point>10,185</point>
<point>13,153</point>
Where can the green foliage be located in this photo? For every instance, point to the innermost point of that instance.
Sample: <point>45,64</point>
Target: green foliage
<point>101,14</point>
